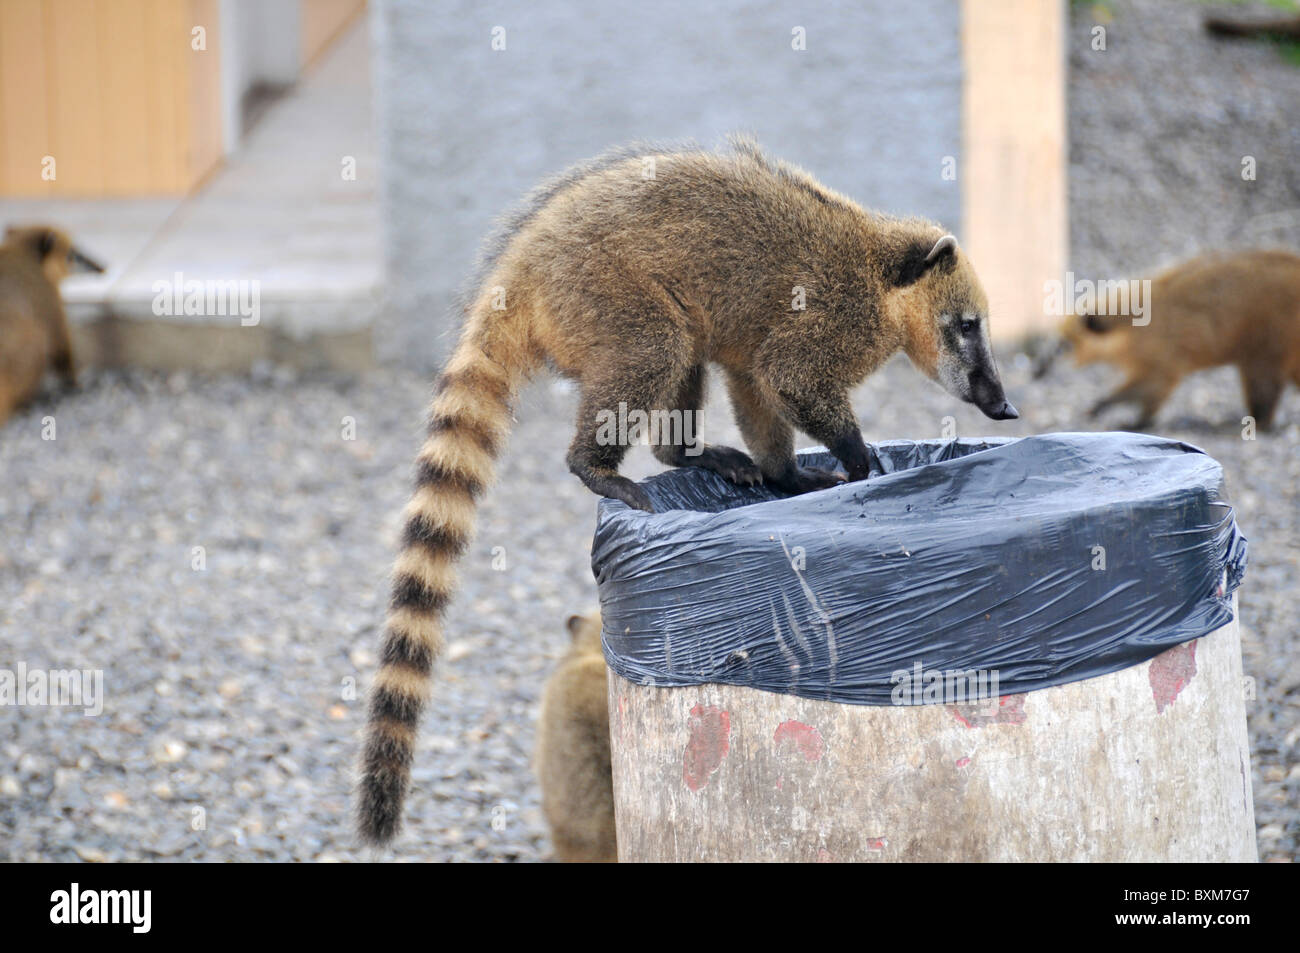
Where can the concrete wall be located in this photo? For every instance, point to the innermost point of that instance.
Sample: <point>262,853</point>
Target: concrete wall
<point>872,106</point>
<point>260,45</point>
<point>271,42</point>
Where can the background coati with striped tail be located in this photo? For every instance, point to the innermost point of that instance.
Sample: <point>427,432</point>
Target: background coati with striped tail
<point>1238,308</point>
<point>34,333</point>
<point>629,275</point>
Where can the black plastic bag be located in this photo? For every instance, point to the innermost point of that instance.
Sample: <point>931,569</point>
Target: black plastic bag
<point>1045,560</point>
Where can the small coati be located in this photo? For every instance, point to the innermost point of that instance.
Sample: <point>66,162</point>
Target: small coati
<point>1239,308</point>
<point>572,758</point>
<point>34,332</point>
<point>629,275</point>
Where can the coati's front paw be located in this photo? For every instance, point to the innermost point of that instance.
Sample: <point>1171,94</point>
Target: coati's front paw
<point>1139,425</point>
<point>730,464</point>
<point>1100,407</point>
<point>805,480</point>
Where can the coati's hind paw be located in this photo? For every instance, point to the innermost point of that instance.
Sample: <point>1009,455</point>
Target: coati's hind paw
<point>606,483</point>
<point>730,464</point>
<point>621,488</point>
<point>798,480</point>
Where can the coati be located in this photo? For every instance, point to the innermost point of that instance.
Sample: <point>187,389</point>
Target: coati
<point>630,274</point>
<point>1239,308</point>
<point>572,759</point>
<point>34,332</point>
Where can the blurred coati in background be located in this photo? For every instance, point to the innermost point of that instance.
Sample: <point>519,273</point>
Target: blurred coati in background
<point>631,274</point>
<point>34,332</point>
<point>572,759</point>
<point>1238,308</point>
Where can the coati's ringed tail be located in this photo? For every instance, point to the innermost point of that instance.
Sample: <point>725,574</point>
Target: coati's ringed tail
<point>468,423</point>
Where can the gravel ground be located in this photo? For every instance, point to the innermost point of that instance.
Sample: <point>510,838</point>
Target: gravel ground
<point>1160,123</point>
<point>227,730</point>
<point>224,686</point>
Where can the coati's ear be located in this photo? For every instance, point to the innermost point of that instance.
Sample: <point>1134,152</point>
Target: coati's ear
<point>944,250</point>
<point>918,259</point>
<point>37,241</point>
<point>574,624</point>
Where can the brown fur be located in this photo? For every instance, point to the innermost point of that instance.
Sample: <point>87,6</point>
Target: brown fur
<point>631,285</point>
<point>34,333</point>
<point>572,758</point>
<point>1241,309</point>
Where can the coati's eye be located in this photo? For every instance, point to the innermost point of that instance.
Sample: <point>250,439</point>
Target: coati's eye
<point>968,325</point>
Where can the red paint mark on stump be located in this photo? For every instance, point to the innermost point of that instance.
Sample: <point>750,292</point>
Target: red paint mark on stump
<point>796,736</point>
<point>1009,710</point>
<point>877,843</point>
<point>709,743</point>
<point>963,762</point>
<point>1170,672</point>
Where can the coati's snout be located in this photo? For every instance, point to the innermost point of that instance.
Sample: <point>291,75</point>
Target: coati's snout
<point>80,262</point>
<point>966,366</point>
<point>988,397</point>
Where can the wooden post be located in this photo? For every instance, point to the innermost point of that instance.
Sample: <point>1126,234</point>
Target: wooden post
<point>1150,763</point>
<point>1014,220</point>
<point>115,95</point>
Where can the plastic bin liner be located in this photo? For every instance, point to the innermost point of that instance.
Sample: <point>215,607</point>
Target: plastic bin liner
<point>1044,560</point>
